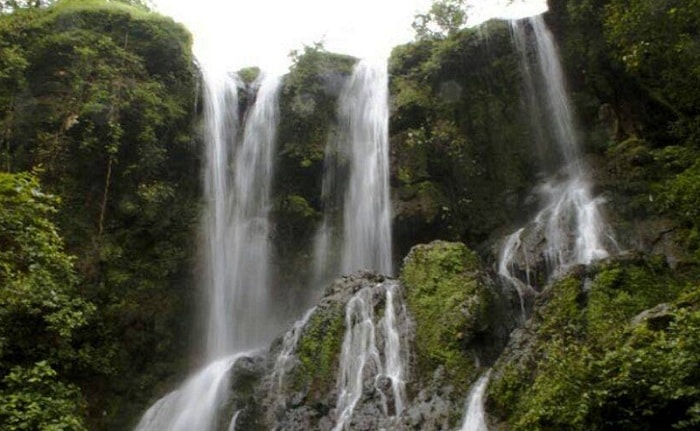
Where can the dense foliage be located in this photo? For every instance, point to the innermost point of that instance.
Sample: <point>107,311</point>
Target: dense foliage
<point>309,101</point>
<point>41,309</point>
<point>308,124</point>
<point>614,346</point>
<point>100,96</point>
<point>444,18</point>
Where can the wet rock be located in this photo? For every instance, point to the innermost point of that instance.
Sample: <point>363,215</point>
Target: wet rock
<point>657,318</point>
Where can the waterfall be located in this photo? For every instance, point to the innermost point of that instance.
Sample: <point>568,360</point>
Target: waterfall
<point>364,119</point>
<point>363,144</point>
<point>237,253</point>
<point>508,271</point>
<point>475,418</point>
<point>247,314</point>
<point>570,222</point>
<point>221,116</point>
<point>237,226</point>
<point>360,355</point>
<point>232,426</point>
<point>395,363</point>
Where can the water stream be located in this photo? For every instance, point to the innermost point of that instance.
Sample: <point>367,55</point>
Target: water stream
<point>289,346</point>
<point>195,405</point>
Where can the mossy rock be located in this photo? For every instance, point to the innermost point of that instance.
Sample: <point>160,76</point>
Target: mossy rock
<point>319,346</point>
<point>449,300</point>
<point>609,347</point>
<point>318,350</point>
<point>307,394</point>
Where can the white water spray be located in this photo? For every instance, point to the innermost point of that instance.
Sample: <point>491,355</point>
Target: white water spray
<point>248,312</point>
<point>395,362</point>
<point>507,268</point>
<point>289,346</point>
<point>363,142</point>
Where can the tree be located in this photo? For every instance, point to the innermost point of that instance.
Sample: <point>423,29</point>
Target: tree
<point>7,6</point>
<point>444,18</point>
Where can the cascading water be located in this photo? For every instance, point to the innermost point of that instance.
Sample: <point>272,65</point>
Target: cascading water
<point>475,418</point>
<point>248,312</point>
<point>237,232</point>
<point>362,143</point>
<point>507,269</point>
<point>394,357</point>
<point>570,221</point>
<point>360,356</point>
<point>289,345</point>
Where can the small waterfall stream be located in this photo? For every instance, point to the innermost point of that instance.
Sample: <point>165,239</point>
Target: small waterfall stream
<point>289,345</point>
<point>361,356</point>
<point>570,222</point>
<point>237,258</point>
<point>475,418</point>
<point>194,406</point>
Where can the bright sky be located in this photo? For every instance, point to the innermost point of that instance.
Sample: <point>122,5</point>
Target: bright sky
<point>233,34</point>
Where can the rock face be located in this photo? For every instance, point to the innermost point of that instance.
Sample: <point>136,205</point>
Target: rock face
<point>451,322</point>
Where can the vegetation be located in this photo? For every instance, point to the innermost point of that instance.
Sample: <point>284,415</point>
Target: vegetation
<point>319,350</point>
<point>309,103</point>
<point>633,65</point>
<point>99,198</point>
<point>610,346</point>
<point>100,96</point>
<point>461,147</point>
<point>444,18</point>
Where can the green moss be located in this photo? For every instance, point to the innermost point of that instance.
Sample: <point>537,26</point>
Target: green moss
<point>319,349</point>
<point>446,297</point>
